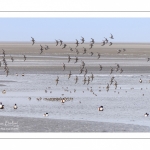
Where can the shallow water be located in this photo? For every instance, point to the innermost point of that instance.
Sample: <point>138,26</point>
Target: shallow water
<point>128,106</point>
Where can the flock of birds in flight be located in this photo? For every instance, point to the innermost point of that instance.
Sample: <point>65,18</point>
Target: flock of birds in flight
<point>82,67</point>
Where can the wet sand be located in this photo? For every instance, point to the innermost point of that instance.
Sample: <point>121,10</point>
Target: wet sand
<point>124,108</point>
<point>24,124</point>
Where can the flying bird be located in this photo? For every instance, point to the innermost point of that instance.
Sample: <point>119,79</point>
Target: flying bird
<point>69,58</point>
<point>64,46</point>
<point>76,79</point>
<point>60,42</point>
<point>33,41</point>
<point>92,40</point>
<point>91,45</point>
<point>77,43</point>
<point>111,36</point>
<point>103,43</point>
<point>41,49</point>
<point>100,67</point>
<point>57,42</point>
<point>57,80</point>
<point>98,55</point>
<point>76,59</point>
<point>63,66</point>
<point>110,44</point>
<point>24,57</point>
<point>69,75</point>
<point>82,40</point>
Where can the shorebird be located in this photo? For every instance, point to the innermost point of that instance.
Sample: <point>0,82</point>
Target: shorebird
<point>119,51</point>
<point>63,100</point>
<point>83,63</point>
<point>3,52</point>
<point>84,80</point>
<point>100,66</point>
<point>111,70</point>
<point>29,98</point>
<point>41,49</point>
<point>16,74</point>
<point>88,80</point>
<point>106,40</point>
<point>82,40</point>
<point>107,87</point>
<point>63,66</point>
<point>92,76</point>
<point>140,80</point>
<point>1,105</point>
<point>60,42</point>
<point>69,75</point>
<point>110,44</point>
<point>124,50</point>
<point>15,106</point>
<point>46,115</point>
<point>92,41</point>
<point>148,59</point>
<point>146,114</point>
<point>22,74</point>
<point>77,51</point>
<point>121,70</point>
<point>84,50</point>
<point>76,59</point>
<point>46,48</point>
<point>56,42</point>
<point>24,57</point>
<point>85,71</point>
<point>4,91</point>
<point>33,41</point>
<point>57,80</point>
<point>76,79</point>
<point>91,45</point>
<point>81,70</point>
<point>64,46</point>
<point>69,58</point>
<point>77,43</point>
<point>71,49</point>
<point>101,108</point>
<point>7,71</point>
<point>116,85</point>
<point>98,55</point>
<point>111,36</point>
<point>92,53</point>
<point>103,43</point>
<point>12,59</point>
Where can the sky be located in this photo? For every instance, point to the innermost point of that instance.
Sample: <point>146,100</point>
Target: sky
<point>70,29</point>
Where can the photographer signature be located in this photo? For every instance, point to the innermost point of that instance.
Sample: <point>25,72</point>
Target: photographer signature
<point>10,124</point>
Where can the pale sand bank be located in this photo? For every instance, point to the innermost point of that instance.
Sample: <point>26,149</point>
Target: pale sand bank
<point>18,124</point>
